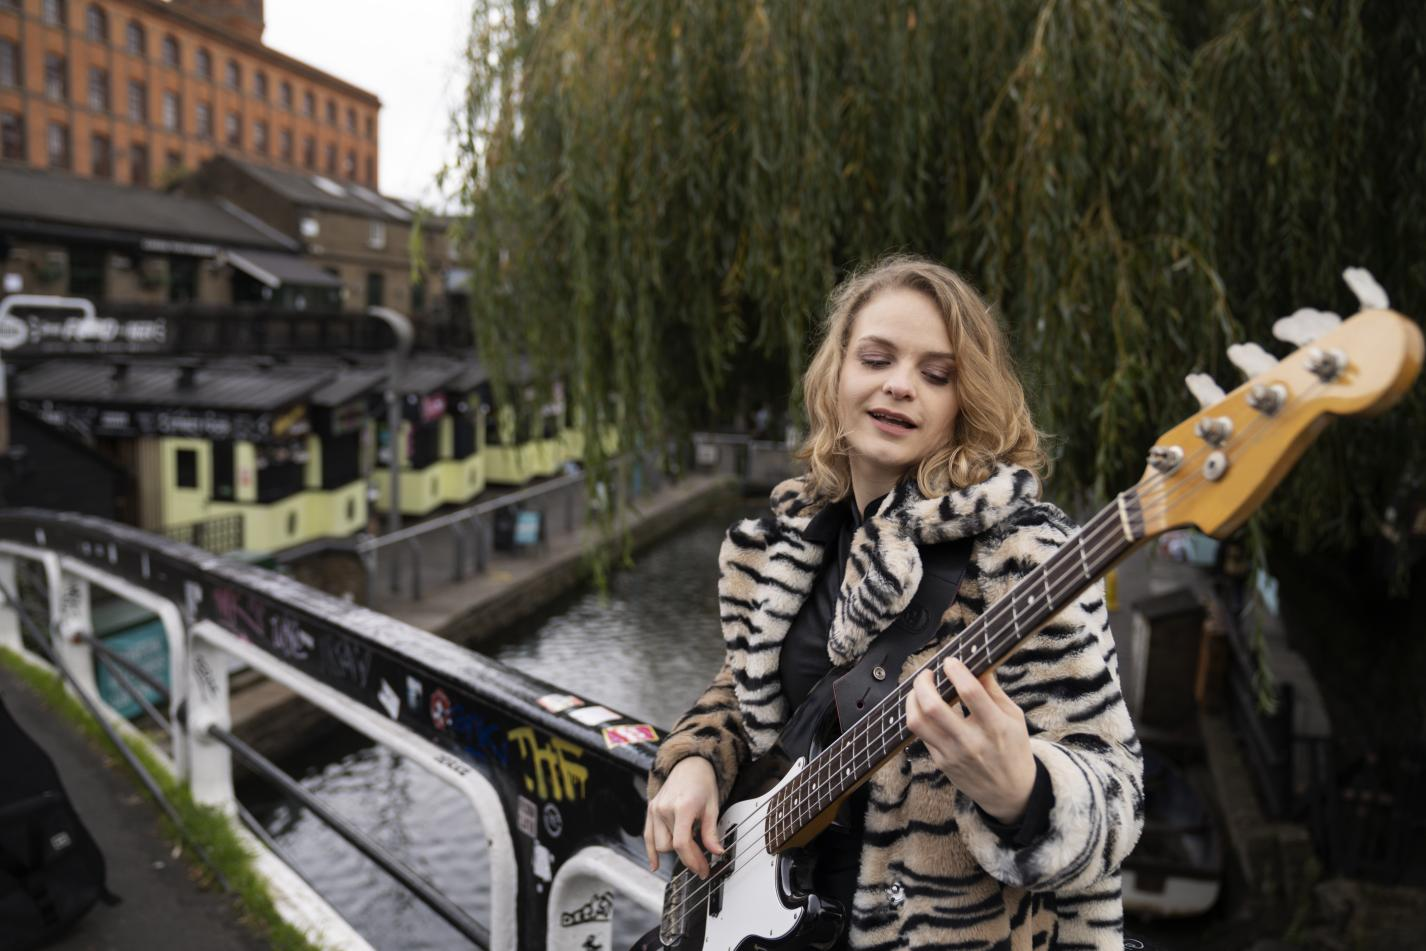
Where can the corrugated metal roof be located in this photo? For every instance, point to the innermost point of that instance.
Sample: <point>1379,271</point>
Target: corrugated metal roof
<point>42,197</point>
<point>146,383</point>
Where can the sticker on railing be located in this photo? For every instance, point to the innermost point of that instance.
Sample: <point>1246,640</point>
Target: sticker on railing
<point>593,716</point>
<point>627,733</point>
<point>559,702</point>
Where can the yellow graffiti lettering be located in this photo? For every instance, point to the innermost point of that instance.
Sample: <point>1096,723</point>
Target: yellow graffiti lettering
<point>554,772</point>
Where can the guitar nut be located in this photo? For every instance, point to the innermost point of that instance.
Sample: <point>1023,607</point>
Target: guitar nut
<point>878,672</point>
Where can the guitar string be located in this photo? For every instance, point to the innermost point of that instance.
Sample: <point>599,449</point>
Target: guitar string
<point>1102,529</point>
<point>1107,531</point>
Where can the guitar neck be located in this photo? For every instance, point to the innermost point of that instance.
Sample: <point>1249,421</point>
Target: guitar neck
<point>801,808</point>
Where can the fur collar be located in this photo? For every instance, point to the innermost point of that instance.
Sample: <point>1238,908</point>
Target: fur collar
<point>769,565</point>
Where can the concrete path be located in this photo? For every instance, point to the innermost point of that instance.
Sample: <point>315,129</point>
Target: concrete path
<point>162,908</point>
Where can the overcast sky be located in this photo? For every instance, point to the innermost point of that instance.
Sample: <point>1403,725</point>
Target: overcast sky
<point>407,52</point>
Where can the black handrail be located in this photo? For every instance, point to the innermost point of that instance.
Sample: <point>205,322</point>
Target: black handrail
<point>393,866</point>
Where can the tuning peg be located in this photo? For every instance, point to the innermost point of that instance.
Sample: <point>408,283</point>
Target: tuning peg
<point>1305,325</point>
<point>1204,390</point>
<point>1251,359</point>
<point>1369,293</point>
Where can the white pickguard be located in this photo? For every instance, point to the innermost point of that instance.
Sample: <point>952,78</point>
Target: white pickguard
<point>751,903</point>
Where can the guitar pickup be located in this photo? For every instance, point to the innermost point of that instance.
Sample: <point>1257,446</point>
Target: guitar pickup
<point>715,866</point>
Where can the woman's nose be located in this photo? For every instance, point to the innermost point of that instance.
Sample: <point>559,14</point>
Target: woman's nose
<point>897,387</point>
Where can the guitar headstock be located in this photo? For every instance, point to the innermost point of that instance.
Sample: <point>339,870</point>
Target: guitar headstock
<point>1216,467</point>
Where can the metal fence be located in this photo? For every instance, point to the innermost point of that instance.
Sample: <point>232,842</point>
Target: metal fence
<point>450,548</point>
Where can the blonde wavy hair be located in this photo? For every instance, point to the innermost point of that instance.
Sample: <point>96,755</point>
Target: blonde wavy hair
<point>993,425</point>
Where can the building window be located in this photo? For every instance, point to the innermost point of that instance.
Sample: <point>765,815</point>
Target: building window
<point>331,159</point>
<point>260,136</point>
<point>370,127</point>
<point>284,145</point>
<point>56,86</point>
<point>98,89</point>
<point>233,75</point>
<point>284,94</point>
<point>138,164</point>
<point>349,166</point>
<point>203,63</point>
<point>52,12</point>
<point>351,120</point>
<point>169,51</point>
<point>203,121</point>
<point>260,84</point>
<point>9,63</point>
<point>309,103</point>
<point>309,152</point>
<point>57,145</point>
<point>185,464</point>
<point>96,24</point>
<point>134,39</point>
<point>173,160</point>
<point>87,264</point>
<point>224,485</point>
<point>375,288</point>
<point>12,136</point>
<point>138,101</point>
<point>101,159</point>
<point>376,235</point>
<point>172,111</point>
<point>233,129</point>
<point>331,112</point>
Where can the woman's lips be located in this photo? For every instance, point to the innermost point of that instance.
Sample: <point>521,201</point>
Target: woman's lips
<point>891,429</point>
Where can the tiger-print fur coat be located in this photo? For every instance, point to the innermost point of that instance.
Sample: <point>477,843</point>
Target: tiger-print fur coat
<point>933,874</point>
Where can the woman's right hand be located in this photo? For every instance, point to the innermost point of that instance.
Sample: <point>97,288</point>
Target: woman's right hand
<point>688,797</point>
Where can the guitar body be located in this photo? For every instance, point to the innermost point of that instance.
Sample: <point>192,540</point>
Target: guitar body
<point>768,903</point>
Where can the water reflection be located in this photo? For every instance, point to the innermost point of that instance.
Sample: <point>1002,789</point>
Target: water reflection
<point>647,648</point>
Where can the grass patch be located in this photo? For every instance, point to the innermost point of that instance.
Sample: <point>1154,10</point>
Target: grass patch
<point>203,826</point>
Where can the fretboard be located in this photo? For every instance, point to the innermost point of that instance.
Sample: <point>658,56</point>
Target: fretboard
<point>882,731</point>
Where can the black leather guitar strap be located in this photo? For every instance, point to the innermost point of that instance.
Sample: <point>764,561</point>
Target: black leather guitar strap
<point>853,692</point>
<point>874,676</point>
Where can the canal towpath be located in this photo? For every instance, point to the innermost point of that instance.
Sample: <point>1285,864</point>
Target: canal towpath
<point>162,907</point>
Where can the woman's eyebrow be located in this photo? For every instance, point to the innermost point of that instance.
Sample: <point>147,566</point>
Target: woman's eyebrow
<point>929,355</point>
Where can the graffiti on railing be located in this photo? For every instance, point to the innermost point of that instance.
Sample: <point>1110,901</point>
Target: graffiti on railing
<point>554,772</point>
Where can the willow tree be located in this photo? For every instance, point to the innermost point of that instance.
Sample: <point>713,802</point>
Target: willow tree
<point>659,196</point>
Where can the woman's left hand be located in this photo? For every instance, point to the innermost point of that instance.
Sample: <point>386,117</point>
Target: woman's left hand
<point>986,752</point>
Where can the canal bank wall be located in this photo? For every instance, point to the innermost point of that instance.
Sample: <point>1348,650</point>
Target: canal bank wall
<point>279,723</point>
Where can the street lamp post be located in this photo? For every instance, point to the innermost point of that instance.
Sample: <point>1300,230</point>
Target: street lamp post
<point>400,325</point>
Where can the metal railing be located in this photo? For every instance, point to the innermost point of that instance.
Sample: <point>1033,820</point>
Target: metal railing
<point>556,801</point>
<point>470,535</point>
<point>758,464</point>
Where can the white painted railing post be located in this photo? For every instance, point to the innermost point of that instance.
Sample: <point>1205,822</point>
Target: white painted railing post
<point>210,764</point>
<point>10,633</point>
<point>70,622</point>
<point>587,891</point>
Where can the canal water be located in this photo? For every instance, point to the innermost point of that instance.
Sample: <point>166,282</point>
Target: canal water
<point>647,648</point>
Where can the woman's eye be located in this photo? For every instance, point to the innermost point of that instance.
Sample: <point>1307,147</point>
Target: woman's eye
<point>873,362</point>
<point>940,379</point>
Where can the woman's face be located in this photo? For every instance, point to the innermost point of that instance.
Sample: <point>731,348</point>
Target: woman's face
<point>896,398</point>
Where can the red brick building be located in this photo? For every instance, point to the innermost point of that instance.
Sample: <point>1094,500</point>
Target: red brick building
<point>140,91</point>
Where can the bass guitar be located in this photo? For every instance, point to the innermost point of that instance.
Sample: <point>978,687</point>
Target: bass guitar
<point>1210,472</point>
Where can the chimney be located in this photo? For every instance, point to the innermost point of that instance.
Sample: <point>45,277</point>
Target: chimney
<point>240,17</point>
